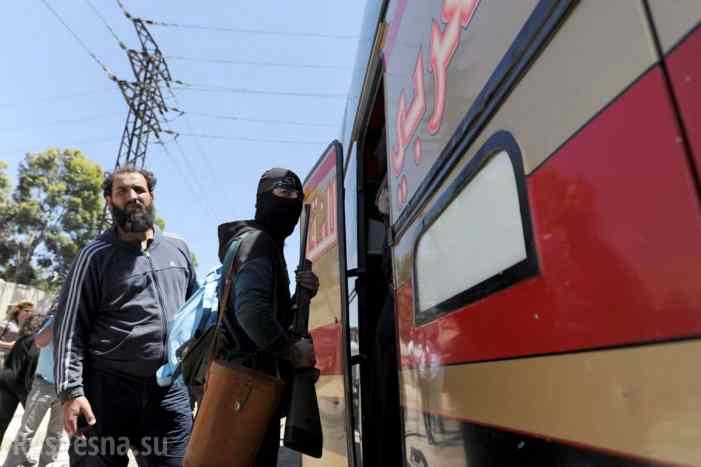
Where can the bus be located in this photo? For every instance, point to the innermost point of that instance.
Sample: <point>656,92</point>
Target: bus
<point>507,231</point>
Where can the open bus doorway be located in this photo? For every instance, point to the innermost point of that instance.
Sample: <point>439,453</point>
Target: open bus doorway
<point>380,422</point>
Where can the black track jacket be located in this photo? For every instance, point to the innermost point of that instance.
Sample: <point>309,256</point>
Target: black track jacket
<point>115,306</point>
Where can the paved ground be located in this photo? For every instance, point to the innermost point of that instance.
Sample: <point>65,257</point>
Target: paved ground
<point>287,458</point>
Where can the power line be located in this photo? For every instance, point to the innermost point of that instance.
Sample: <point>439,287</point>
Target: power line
<point>236,138</point>
<point>256,120</point>
<point>189,167</point>
<point>189,181</point>
<point>249,31</point>
<point>224,89</point>
<point>245,62</point>
<point>198,145</point>
<point>74,145</point>
<point>60,122</point>
<point>104,21</point>
<point>80,41</point>
<point>152,73</point>
<point>143,96</point>
<point>55,98</point>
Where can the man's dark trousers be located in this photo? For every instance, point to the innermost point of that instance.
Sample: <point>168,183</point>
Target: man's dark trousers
<point>155,422</point>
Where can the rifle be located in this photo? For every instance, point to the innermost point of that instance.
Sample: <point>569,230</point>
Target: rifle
<point>303,425</point>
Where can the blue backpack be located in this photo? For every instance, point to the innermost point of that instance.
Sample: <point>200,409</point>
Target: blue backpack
<point>191,331</point>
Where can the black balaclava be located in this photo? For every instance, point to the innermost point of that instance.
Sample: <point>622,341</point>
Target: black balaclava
<point>278,215</point>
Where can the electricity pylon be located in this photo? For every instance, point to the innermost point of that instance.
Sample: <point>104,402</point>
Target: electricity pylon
<point>144,100</point>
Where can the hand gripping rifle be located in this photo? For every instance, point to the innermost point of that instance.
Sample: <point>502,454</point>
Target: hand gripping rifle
<point>303,426</point>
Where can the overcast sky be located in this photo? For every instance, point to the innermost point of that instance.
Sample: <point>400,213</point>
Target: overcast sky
<point>55,95</point>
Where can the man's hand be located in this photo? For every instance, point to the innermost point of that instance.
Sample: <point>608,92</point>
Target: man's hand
<point>309,281</point>
<point>302,353</point>
<point>72,410</point>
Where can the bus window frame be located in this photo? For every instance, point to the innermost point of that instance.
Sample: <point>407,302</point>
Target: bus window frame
<point>501,141</point>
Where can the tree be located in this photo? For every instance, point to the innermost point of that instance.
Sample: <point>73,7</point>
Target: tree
<point>55,210</point>
<point>4,184</point>
<point>5,211</point>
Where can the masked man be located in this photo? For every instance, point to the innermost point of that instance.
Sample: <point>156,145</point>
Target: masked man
<point>110,334</point>
<point>260,312</point>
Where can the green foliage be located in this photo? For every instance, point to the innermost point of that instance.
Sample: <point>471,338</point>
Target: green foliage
<point>55,210</point>
<point>160,222</point>
<point>5,212</point>
<point>4,184</point>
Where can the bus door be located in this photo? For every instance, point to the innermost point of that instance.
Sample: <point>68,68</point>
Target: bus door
<point>323,190</point>
<point>374,367</point>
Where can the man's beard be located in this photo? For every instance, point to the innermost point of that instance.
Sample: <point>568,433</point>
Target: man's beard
<point>135,220</point>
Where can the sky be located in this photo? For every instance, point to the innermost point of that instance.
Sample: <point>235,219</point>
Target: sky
<point>285,64</point>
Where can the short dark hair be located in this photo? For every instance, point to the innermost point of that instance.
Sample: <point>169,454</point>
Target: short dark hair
<point>109,178</point>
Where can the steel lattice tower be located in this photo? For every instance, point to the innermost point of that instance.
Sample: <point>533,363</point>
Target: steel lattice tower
<point>144,100</point>
<point>143,97</point>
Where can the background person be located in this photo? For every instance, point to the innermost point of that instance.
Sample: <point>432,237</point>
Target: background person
<point>9,329</point>
<point>41,399</point>
<point>16,377</point>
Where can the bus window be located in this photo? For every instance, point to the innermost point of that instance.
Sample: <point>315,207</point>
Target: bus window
<point>475,239</point>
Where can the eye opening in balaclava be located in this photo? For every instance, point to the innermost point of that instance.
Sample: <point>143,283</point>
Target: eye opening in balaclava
<point>278,215</point>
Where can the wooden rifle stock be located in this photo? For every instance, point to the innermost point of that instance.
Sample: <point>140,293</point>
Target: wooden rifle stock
<point>303,425</point>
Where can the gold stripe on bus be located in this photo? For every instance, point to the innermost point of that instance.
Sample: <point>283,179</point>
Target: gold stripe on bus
<point>674,19</point>
<point>325,309</point>
<point>637,401</point>
<point>599,50</point>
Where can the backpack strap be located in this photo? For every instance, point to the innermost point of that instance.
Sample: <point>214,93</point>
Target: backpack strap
<point>227,270</point>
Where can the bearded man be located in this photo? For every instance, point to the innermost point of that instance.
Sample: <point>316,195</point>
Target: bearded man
<point>110,335</point>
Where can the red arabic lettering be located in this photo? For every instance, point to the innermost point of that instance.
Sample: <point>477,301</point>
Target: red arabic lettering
<point>313,239</point>
<point>331,209</point>
<point>408,121</point>
<point>402,190</point>
<point>323,221</point>
<point>417,151</point>
<point>456,14</point>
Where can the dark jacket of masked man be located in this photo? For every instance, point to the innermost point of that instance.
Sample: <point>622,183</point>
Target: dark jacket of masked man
<point>260,307</point>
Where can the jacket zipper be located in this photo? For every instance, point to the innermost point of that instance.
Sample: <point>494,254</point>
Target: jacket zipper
<point>160,302</point>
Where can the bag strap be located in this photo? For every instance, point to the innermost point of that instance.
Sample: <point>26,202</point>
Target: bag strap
<point>225,282</point>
